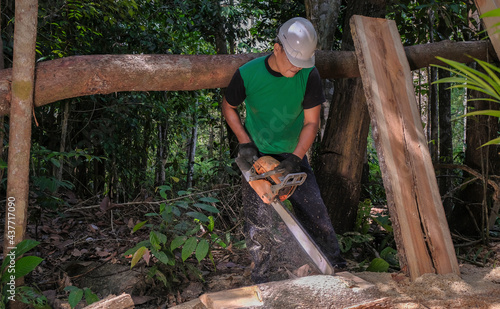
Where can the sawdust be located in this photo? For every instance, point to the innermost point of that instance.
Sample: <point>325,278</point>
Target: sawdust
<point>475,288</point>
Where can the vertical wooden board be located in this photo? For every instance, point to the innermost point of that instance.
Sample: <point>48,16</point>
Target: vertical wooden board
<point>485,6</point>
<point>383,86</point>
<point>435,225</point>
<point>409,178</point>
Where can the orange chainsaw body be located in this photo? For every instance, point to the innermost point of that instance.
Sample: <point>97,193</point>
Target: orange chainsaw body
<point>263,187</point>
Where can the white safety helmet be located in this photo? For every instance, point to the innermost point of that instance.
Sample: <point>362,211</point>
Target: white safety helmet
<point>299,40</point>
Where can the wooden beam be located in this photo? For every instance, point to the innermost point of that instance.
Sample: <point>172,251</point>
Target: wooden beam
<point>103,74</point>
<point>491,23</point>
<point>420,227</point>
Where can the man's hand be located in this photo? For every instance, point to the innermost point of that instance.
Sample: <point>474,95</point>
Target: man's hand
<point>290,164</point>
<point>249,152</point>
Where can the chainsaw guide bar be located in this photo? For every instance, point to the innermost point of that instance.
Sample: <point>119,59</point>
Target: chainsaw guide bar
<point>268,186</point>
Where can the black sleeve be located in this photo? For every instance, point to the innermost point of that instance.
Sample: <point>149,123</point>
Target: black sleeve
<point>314,95</point>
<point>235,92</point>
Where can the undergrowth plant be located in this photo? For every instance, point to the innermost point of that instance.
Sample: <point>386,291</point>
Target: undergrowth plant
<point>385,255</point>
<point>44,183</point>
<point>76,295</point>
<point>183,227</point>
<point>15,266</point>
<point>465,77</point>
<point>470,78</point>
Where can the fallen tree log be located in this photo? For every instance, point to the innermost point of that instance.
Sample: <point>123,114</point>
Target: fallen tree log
<point>344,290</point>
<point>103,74</point>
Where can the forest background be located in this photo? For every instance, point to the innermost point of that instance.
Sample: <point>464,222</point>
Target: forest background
<point>173,147</point>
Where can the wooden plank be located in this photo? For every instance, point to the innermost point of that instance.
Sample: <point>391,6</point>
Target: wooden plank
<point>420,227</point>
<point>123,301</point>
<point>485,6</point>
<point>247,296</point>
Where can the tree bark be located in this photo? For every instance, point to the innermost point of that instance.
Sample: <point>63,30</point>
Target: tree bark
<point>20,125</point>
<point>445,141</point>
<point>64,133</point>
<point>102,74</point>
<point>340,161</point>
<point>2,117</point>
<point>192,148</point>
<point>323,14</point>
<point>432,123</point>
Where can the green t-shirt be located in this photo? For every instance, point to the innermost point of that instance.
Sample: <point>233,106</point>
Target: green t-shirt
<point>274,104</point>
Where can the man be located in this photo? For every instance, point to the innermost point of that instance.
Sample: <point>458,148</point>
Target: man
<point>283,96</point>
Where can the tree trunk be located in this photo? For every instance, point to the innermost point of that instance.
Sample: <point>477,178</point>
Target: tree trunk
<point>220,38</point>
<point>340,161</point>
<point>161,154</point>
<point>2,117</point>
<point>64,133</point>
<point>20,126</point>
<point>162,148</point>
<point>192,148</point>
<point>102,74</point>
<point>211,140</point>
<point>145,152</point>
<point>445,141</point>
<point>432,123</point>
<point>323,14</point>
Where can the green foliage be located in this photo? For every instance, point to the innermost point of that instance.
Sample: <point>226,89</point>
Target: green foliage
<point>479,255</point>
<point>347,240</point>
<point>142,135</point>
<point>378,265</point>
<point>43,182</point>
<point>363,216</point>
<point>32,297</point>
<point>184,224</point>
<point>470,78</point>
<point>364,237</point>
<point>76,295</point>
<point>16,266</point>
<point>374,188</point>
<point>420,22</point>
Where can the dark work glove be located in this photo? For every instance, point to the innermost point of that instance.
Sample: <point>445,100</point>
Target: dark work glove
<point>249,152</point>
<point>290,165</point>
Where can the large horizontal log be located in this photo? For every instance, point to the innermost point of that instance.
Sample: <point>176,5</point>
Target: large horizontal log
<point>102,74</point>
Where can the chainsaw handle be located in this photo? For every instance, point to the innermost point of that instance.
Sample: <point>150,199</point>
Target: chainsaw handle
<point>243,164</point>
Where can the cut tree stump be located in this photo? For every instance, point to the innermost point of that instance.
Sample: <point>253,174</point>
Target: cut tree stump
<point>491,23</point>
<point>420,228</point>
<point>123,301</point>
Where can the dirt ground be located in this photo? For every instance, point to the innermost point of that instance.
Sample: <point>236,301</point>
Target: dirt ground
<point>84,247</point>
<point>476,287</point>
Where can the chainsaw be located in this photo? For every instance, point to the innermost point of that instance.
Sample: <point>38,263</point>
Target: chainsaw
<point>273,188</point>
